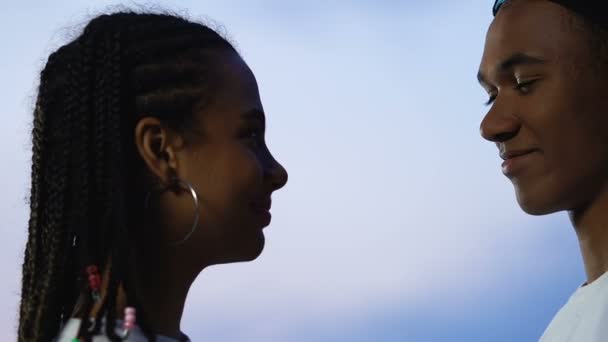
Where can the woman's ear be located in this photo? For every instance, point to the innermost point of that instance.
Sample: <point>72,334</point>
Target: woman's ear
<point>153,141</point>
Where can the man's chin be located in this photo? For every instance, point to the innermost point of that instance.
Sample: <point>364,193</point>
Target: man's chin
<point>535,205</point>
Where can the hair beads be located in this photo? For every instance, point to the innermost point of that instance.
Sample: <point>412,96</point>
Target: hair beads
<point>94,281</point>
<point>129,321</point>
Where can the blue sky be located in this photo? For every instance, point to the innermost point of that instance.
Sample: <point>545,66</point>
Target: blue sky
<point>396,224</point>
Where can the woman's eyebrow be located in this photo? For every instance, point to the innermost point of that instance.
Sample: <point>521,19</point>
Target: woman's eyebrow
<point>254,114</point>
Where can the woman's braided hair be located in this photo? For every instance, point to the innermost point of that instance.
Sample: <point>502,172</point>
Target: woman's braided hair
<point>85,168</point>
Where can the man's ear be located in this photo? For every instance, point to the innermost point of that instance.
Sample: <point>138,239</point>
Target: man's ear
<point>153,141</point>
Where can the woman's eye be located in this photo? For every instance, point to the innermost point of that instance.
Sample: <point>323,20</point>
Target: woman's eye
<point>253,136</point>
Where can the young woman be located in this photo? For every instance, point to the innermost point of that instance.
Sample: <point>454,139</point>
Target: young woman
<point>149,164</point>
<point>544,68</point>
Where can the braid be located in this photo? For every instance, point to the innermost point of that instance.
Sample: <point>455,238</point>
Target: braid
<point>48,233</point>
<point>85,199</point>
<point>84,192</point>
<point>43,248</point>
<point>31,251</point>
<point>115,178</point>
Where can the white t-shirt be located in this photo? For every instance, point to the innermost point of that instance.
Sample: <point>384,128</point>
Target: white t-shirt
<point>584,318</point>
<point>70,330</point>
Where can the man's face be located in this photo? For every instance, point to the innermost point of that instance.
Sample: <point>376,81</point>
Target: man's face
<point>548,114</point>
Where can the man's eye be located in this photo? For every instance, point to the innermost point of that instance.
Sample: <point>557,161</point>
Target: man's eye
<point>524,87</point>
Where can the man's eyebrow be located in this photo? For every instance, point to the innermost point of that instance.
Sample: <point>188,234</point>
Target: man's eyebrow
<point>511,62</point>
<point>518,59</point>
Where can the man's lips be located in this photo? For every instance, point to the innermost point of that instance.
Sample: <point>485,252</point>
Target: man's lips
<point>516,161</point>
<point>509,154</point>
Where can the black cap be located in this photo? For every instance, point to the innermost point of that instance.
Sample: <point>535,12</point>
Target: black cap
<point>595,11</point>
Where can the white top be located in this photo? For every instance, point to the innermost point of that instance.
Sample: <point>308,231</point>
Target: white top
<point>70,330</point>
<point>584,318</point>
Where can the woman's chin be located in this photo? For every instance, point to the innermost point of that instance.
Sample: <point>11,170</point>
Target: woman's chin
<point>252,248</point>
<point>244,249</point>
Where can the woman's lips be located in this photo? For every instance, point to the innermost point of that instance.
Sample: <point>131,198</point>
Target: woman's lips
<point>265,218</point>
<point>262,211</point>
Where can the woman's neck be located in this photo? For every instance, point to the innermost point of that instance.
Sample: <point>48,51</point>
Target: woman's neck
<point>161,285</point>
<point>161,289</point>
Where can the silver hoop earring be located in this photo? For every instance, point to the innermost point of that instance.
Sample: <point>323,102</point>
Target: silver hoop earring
<point>190,188</point>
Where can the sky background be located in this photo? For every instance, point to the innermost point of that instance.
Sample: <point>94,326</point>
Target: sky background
<point>396,223</point>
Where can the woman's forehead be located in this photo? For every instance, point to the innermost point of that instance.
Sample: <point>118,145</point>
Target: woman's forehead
<point>235,93</point>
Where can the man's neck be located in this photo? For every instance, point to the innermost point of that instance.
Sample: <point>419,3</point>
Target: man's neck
<point>591,226</point>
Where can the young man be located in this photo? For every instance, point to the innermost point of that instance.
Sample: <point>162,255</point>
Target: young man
<point>545,68</point>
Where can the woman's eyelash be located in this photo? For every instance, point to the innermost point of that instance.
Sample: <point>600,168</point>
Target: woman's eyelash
<point>254,134</point>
